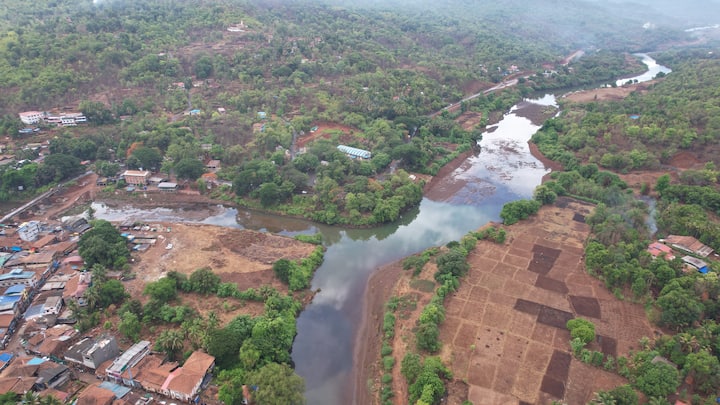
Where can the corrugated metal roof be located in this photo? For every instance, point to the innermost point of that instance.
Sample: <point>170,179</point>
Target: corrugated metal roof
<point>355,151</point>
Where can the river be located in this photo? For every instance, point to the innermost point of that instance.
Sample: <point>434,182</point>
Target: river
<point>504,170</point>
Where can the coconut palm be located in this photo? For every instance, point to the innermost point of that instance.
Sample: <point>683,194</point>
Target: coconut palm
<point>171,342</point>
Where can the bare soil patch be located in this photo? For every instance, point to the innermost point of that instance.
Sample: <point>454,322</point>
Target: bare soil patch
<point>684,160</point>
<point>607,93</point>
<point>325,130</point>
<point>550,284</point>
<point>585,306</point>
<point>241,256</point>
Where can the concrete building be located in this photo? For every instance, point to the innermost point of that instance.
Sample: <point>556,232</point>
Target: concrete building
<point>52,305</point>
<point>18,276</point>
<point>93,352</point>
<point>136,177</point>
<point>31,117</point>
<point>128,359</point>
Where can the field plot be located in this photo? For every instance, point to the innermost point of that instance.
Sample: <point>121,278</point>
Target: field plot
<point>505,329</point>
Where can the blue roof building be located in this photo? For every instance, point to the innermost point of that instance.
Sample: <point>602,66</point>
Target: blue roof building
<point>17,289</point>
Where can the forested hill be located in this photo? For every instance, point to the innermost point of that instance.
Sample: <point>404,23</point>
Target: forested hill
<point>645,130</point>
<point>61,52</point>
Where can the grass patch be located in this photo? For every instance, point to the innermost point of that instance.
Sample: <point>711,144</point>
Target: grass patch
<point>423,285</point>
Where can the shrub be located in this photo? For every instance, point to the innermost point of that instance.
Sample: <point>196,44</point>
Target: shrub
<point>581,329</point>
<point>388,362</point>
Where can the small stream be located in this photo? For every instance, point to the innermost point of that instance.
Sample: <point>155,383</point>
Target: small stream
<point>323,349</point>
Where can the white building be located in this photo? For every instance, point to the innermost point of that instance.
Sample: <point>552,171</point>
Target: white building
<point>52,305</point>
<point>29,231</point>
<point>31,117</point>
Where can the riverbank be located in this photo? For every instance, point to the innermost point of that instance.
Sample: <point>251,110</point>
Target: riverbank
<point>368,341</point>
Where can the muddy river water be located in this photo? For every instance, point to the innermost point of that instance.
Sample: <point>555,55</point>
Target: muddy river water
<point>503,170</point>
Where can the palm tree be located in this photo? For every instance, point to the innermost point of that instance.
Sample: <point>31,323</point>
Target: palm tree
<point>30,398</point>
<point>50,400</point>
<point>604,398</point>
<point>171,341</point>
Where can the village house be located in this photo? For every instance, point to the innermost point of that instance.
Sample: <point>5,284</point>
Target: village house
<point>136,177</point>
<point>213,165</point>
<point>185,382</point>
<point>7,327</point>
<point>167,187</point>
<point>92,353</point>
<point>52,305</point>
<point>44,241</point>
<point>94,395</point>
<point>53,377</point>
<point>53,341</point>
<point>688,244</point>
<point>149,373</point>
<point>695,263</point>
<point>5,359</point>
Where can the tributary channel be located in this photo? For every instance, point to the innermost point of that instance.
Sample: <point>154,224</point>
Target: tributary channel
<point>503,170</point>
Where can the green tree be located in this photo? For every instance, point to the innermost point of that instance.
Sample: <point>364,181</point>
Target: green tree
<point>189,168</point>
<point>704,368</point>
<point>163,290</point>
<point>679,307</point>
<point>96,113</point>
<point>231,383</point>
<point>581,329</point>
<point>110,292</point>
<point>204,281</point>
<point>269,194</point>
<point>544,194</point>
<point>102,244</point>
<point>203,67</point>
<point>130,326</point>
<point>277,385</point>
<point>427,337</point>
<point>282,269</point>
<point>146,158</point>
<point>662,183</point>
<point>170,341</point>
<point>657,379</point>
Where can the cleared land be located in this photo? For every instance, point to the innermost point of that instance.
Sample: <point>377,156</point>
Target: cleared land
<point>241,256</point>
<point>504,334</point>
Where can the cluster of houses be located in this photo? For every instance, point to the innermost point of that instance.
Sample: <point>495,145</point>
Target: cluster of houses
<point>666,248</point>
<point>40,272</point>
<point>131,376</point>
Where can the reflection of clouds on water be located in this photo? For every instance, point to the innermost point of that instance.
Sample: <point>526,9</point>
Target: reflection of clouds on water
<point>434,225</point>
<point>322,347</point>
